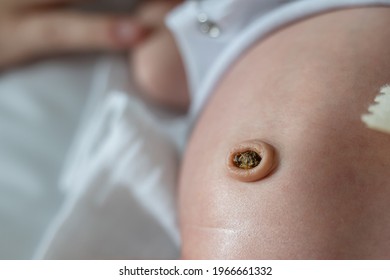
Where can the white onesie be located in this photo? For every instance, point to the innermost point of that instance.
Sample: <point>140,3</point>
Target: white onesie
<point>212,34</point>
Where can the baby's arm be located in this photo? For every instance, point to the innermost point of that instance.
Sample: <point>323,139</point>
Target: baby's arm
<point>302,91</point>
<point>156,62</point>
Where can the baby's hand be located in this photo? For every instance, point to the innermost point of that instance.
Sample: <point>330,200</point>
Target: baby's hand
<point>157,66</point>
<point>35,28</point>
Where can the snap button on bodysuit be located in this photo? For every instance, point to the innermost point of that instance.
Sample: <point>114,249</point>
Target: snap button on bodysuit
<point>251,160</point>
<point>207,26</point>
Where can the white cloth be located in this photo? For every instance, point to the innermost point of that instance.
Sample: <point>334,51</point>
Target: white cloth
<point>38,119</point>
<point>120,178</point>
<point>242,24</point>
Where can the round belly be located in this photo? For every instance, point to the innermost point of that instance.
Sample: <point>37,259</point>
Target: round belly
<point>302,92</point>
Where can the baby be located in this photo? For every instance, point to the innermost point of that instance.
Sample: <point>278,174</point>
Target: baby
<point>279,165</point>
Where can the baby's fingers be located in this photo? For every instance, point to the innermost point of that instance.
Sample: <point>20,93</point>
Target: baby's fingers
<point>6,5</point>
<point>66,31</point>
<point>41,34</point>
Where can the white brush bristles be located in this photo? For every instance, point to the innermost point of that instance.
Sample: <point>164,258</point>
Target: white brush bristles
<point>379,112</point>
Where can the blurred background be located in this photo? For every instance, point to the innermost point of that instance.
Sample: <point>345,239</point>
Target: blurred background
<point>70,129</point>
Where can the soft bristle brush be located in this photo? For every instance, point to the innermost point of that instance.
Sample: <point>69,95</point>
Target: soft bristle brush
<point>379,112</point>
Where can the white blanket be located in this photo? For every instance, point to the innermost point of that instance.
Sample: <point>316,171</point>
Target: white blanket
<point>120,178</point>
<point>38,119</point>
<point>115,195</point>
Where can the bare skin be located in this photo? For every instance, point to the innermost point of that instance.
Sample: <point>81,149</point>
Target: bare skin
<point>302,90</point>
<point>156,63</point>
<point>32,29</point>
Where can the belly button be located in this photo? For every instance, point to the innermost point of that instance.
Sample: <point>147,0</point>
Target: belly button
<point>247,159</point>
<point>251,160</point>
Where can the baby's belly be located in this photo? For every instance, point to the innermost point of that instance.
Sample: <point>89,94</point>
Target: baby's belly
<point>328,196</point>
